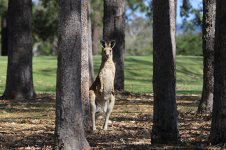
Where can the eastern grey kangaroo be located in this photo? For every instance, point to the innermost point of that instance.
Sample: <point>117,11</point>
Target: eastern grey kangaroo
<point>101,92</point>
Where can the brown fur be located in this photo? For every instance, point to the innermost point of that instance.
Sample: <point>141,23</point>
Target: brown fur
<point>101,92</point>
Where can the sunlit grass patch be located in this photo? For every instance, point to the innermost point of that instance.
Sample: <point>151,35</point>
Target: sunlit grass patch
<point>138,73</point>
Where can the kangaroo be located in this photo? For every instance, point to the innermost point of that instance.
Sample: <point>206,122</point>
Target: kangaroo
<point>101,92</point>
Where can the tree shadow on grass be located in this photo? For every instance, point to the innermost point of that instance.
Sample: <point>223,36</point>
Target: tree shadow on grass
<point>46,72</point>
<point>188,92</point>
<point>184,69</point>
<point>139,61</point>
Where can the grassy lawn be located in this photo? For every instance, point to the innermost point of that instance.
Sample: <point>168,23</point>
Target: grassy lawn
<point>138,74</point>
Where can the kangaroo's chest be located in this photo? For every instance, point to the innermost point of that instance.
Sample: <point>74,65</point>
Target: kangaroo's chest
<point>108,74</point>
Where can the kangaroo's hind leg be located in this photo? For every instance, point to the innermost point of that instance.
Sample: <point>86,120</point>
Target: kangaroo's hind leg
<point>92,97</point>
<point>109,110</point>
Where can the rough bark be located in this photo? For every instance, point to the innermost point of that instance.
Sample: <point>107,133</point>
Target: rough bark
<point>164,128</point>
<point>114,29</point>
<point>69,131</point>
<point>4,38</point>
<point>209,13</point>
<point>218,126</point>
<point>19,82</point>
<point>85,66</point>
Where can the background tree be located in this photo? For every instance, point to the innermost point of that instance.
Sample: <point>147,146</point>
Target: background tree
<point>3,7</point>
<point>69,116</point>
<point>140,7</point>
<point>189,34</point>
<point>192,17</point>
<point>189,43</point>
<point>164,128</point>
<point>96,14</point>
<point>114,28</point>
<point>91,69</point>
<point>4,35</point>
<point>138,16</point>
<point>45,19</point>
<point>208,35</point>
<point>218,126</point>
<point>137,36</point>
<point>19,82</point>
<point>45,27</point>
<point>85,65</point>
<point>133,8</point>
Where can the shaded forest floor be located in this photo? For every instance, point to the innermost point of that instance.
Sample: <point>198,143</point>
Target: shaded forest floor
<point>30,125</point>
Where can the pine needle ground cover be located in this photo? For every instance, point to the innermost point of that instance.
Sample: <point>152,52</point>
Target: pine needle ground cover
<point>138,74</point>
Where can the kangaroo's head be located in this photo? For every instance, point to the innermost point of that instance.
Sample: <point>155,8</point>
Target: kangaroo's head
<point>107,49</point>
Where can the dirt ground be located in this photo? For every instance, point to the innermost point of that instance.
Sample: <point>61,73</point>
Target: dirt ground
<point>30,125</point>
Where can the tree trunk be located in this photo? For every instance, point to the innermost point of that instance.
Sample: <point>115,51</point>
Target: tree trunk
<point>114,29</point>
<point>95,39</point>
<point>91,70</point>
<point>85,66</point>
<point>19,82</point>
<point>209,9</point>
<point>4,38</point>
<point>164,129</point>
<point>218,127</point>
<point>69,132</point>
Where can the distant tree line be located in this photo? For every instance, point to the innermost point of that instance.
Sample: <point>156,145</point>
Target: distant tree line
<point>138,28</point>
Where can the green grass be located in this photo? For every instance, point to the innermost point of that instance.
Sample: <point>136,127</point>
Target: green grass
<point>138,74</point>
<point>44,73</point>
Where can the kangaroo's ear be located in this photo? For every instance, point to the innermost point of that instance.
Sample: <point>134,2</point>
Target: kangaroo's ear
<point>102,42</point>
<point>113,42</point>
